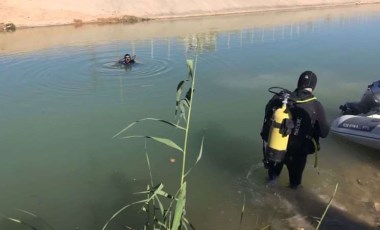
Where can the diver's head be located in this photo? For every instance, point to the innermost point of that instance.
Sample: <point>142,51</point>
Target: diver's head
<point>307,80</point>
<point>127,58</point>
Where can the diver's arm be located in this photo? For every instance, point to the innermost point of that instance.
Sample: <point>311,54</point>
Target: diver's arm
<point>324,126</point>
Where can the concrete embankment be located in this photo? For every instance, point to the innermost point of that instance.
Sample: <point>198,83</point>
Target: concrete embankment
<point>29,13</point>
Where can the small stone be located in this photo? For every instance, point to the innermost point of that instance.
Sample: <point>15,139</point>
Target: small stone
<point>9,27</point>
<point>365,199</point>
<point>377,206</point>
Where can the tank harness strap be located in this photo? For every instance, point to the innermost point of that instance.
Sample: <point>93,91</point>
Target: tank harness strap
<point>285,127</point>
<point>306,100</point>
<point>276,125</point>
<point>265,158</point>
<point>315,150</point>
<point>316,153</point>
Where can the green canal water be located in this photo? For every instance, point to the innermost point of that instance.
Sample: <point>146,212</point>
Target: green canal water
<point>63,97</point>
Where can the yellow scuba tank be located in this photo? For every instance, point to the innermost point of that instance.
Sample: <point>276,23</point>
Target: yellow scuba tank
<point>279,132</point>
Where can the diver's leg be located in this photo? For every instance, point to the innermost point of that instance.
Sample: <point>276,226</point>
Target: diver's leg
<point>274,169</point>
<point>296,166</point>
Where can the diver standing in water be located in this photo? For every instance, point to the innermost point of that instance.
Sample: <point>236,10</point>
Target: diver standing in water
<point>128,59</point>
<point>293,123</point>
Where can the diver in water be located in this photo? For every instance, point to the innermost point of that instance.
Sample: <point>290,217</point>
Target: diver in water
<point>127,60</point>
<point>305,124</point>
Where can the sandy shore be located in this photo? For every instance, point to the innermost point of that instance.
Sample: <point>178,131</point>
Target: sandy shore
<point>30,13</point>
<point>183,28</point>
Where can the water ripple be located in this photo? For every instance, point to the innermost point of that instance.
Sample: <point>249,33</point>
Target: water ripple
<point>141,69</point>
<point>79,71</point>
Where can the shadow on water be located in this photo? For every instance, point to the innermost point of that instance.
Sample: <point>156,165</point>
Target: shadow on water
<point>307,206</point>
<point>284,208</point>
<point>233,154</point>
<point>353,206</point>
<point>280,207</point>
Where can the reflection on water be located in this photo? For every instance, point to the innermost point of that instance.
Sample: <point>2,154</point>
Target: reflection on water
<point>201,42</point>
<point>64,97</point>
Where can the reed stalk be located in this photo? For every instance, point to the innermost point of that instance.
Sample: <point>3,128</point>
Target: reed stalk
<point>167,218</point>
<point>327,207</point>
<point>188,123</point>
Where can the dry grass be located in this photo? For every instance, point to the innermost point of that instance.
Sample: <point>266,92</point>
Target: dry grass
<point>7,27</point>
<point>123,19</point>
<point>78,22</point>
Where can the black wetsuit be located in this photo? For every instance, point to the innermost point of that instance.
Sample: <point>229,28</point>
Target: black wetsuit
<point>122,61</point>
<point>309,123</point>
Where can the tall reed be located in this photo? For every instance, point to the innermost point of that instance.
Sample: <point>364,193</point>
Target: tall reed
<point>168,218</point>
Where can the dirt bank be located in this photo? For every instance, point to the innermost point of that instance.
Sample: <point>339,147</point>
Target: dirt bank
<point>46,37</point>
<point>29,13</point>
